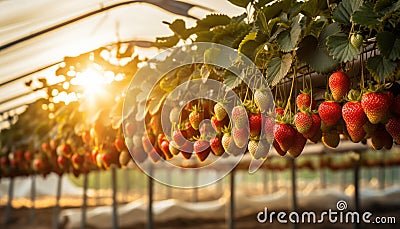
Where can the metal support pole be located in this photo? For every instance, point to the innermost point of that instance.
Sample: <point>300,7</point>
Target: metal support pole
<point>150,200</point>
<point>56,222</point>
<point>127,183</point>
<point>33,196</point>
<point>7,218</point>
<point>231,217</point>
<point>294,188</point>
<point>381,172</point>
<point>114,197</point>
<point>97,185</point>
<point>357,185</point>
<point>84,204</point>
<point>322,176</point>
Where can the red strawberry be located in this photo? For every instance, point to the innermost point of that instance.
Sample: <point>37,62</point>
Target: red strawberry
<point>160,138</point>
<point>240,136</point>
<point>195,117</point>
<point>298,146</point>
<point>63,162</point>
<point>303,122</point>
<point>202,149</point>
<point>285,135</point>
<point>119,144</point>
<point>219,111</point>
<point>165,149</point>
<point>375,105</point>
<point>77,160</point>
<point>303,101</point>
<point>279,111</point>
<point>258,149</point>
<point>190,131</point>
<point>381,138</point>
<point>216,146</point>
<point>278,149</point>
<point>393,127</point>
<point>330,112</point>
<point>354,115</point>
<point>218,125</point>
<point>339,84</point>
<point>356,135</point>
<point>269,125</point>
<point>255,121</point>
<point>315,126</point>
<point>239,116</point>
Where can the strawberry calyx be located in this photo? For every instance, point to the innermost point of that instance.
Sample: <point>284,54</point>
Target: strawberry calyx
<point>354,96</point>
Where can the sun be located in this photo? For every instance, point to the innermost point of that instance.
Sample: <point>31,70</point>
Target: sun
<point>92,81</point>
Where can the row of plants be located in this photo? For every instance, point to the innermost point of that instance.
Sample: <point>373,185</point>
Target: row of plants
<point>332,67</point>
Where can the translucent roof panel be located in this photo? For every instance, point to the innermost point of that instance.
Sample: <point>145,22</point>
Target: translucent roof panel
<point>135,20</point>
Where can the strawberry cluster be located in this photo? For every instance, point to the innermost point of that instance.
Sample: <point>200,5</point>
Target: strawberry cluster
<point>357,115</point>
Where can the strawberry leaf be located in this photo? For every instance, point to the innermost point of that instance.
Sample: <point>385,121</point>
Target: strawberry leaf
<point>341,49</point>
<point>386,6</point>
<point>213,20</point>
<point>380,67</point>
<point>287,40</point>
<point>345,9</point>
<point>231,80</point>
<point>388,45</point>
<point>365,15</point>
<point>278,68</point>
<point>313,8</point>
<point>240,3</point>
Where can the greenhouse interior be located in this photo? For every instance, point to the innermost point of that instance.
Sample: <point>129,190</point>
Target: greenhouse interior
<point>199,114</point>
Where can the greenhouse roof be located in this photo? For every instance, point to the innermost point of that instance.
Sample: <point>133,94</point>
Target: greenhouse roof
<point>36,35</point>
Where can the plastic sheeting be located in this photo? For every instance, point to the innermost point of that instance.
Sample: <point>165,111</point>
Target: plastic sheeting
<point>137,21</point>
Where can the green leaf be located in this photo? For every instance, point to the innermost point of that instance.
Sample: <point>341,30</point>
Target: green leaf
<point>240,3</point>
<point>329,30</point>
<point>388,45</point>
<point>385,6</point>
<point>179,27</point>
<point>313,8</point>
<point>345,9</point>
<point>380,67</point>
<point>213,20</point>
<point>315,55</point>
<point>274,10</point>
<point>278,68</point>
<point>365,15</point>
<point>231,80</point>
<point>167,41</point>
<point>341,49</point>
<point>261,3</point>
<point>288,40</point>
